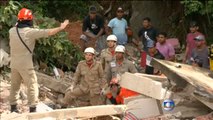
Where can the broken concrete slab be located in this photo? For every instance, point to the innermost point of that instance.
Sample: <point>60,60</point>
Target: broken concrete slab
<point>204,101</point>
<point>153,77</point>
<point>182,73</point>
<point>205,117</point>
<point>52,83</point>
<point>80,112</point>
<point>144,85</point>
<point>143,107</point>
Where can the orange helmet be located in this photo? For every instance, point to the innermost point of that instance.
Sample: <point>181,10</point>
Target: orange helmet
<point>25,14</point>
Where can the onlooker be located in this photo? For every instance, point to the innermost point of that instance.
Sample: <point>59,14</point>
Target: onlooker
<point>190,42</point>
<point>200,53</point>
<point>147,32</point>
<point>118,27</point>
<point>22,42</point>
<point>166,49</point>
<point>153,53</point>
<point>93,28</point>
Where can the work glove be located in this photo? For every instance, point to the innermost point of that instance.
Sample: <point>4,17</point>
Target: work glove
<point>105,90</point>
<point>116,79</point>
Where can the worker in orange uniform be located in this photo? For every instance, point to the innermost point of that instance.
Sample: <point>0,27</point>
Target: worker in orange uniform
<point>114,70</point>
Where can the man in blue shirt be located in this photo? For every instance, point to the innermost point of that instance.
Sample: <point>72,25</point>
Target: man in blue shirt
<point>118,27</point>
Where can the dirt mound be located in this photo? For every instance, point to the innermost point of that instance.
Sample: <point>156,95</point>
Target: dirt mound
<point>74,30</point>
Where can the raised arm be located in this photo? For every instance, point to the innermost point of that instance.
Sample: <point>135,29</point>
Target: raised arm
<point>63,25</point>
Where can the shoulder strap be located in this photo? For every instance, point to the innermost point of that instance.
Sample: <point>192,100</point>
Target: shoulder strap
<point>23,41</point>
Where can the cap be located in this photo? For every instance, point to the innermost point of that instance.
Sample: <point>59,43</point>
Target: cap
<point>199,38</point>
<point>150,44</point>
<point>120,9</point>
<point>193,24</point>
<point>92,9</point>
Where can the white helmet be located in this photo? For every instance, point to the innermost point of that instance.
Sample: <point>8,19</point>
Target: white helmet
<point>120,48</point>
<point>112,38</point>
<point>89,50</point>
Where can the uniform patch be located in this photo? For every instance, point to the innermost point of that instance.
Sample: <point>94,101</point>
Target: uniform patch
<point>112,64</point>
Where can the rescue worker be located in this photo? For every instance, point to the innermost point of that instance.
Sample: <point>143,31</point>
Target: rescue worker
<point>115,69</point>
<point>22,41</point>
<point>88,80</point>
<point>108,54</point>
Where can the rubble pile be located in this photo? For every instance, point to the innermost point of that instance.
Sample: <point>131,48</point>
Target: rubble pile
<point>190,88</point>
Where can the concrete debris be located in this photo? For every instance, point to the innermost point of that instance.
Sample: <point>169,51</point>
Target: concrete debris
<point>4,58</point>
<point>205,117</point>
<point>192,96</point>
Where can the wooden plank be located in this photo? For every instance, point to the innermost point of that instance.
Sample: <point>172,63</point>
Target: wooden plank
<point>199,77</point>
<point>52,83</point>
<point>90,111</point>
<point>144,85</point>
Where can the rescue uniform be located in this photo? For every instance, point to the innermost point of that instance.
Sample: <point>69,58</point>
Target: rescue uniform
<point>106,57</point>
<point>87,80</point>
<point>115,69</point>
<point>22,64</point>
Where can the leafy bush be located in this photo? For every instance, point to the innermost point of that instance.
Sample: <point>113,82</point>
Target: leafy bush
<point>205,11</point>
<point>8,17</point>
<point>56,50</point>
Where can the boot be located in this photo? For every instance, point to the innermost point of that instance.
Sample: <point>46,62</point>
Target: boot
<point>14,109</point>
<point>32,109</point>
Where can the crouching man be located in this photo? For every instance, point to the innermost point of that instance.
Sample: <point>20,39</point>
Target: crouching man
<point>114,70</point>
<point>88,80</point>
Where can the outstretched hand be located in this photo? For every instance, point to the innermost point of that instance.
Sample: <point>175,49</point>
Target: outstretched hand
<point>64,24</point>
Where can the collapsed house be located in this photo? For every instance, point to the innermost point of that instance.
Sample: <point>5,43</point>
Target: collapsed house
<point>191,89</point>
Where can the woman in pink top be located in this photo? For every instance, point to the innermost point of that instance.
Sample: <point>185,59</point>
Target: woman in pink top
<point>190,43</point>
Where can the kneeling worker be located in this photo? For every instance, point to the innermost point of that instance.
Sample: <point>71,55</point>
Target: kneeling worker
<point>88,80</point>
<point>115,69</point>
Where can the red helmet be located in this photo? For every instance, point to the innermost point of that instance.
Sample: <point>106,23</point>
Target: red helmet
<point>25,14</point>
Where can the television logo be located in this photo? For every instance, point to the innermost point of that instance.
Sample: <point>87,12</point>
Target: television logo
<point>168,105</point>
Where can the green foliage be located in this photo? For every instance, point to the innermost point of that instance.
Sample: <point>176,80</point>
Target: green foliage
<point>200,7</point>
<point>205,10</point>
<point>192,6</point>
<point>56,50</point>
<point>8,17</point>
<point>74,9</point>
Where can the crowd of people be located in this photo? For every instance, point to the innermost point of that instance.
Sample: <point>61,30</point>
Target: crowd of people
<point>92,76</point>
